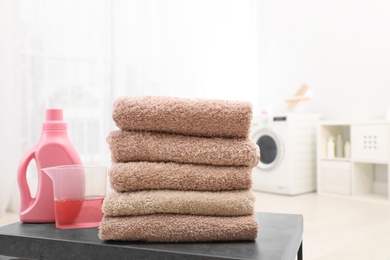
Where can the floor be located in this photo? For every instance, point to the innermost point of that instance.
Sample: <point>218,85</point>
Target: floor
<point>334,228</point>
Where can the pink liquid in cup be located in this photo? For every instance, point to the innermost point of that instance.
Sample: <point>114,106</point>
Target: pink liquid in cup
<point>79,191</point>
<point>78,213</point>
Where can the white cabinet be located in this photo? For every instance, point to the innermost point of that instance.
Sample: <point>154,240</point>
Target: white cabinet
<point>371,142</point>
<point>335,177</point>
<point>363,175</point>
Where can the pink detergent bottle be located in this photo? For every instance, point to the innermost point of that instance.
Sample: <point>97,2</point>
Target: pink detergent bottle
<point>53,149</point>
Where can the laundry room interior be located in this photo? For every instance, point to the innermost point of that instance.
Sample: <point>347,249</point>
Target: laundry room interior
<point>316,76</point>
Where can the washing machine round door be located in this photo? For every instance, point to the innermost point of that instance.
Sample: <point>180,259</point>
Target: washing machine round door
<point>271,149</point>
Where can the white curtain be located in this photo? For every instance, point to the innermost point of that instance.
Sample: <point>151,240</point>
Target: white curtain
<point>9,101</point>
<point>79,55</point>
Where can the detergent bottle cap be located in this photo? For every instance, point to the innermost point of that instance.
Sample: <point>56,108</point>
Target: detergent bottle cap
<point>54,120</point>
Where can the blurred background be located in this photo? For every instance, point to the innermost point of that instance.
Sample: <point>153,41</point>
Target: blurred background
<point>81,55</point>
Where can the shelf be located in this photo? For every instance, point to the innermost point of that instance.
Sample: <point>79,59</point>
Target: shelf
<point>369,161</point>
<point>366,175</point>
<point>336,159</point>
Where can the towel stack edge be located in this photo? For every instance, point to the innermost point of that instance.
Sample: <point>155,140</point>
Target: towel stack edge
<point>225,203</point>
<point>135,176</point>
<point>181,171</point>
<point>129,146</point>
<point>179,228</point>
<point>198,117</point>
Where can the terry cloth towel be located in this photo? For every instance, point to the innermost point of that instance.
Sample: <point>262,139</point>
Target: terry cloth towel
<point>132,176</point>
<point>160,147</point>
<point>178,228</point>
<point>219,203</point>
<point>199,117</point>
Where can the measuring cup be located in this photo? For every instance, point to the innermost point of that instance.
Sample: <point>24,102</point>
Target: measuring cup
<point>79,191</point>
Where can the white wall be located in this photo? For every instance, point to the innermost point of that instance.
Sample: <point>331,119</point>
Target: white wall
<point>341,49</point>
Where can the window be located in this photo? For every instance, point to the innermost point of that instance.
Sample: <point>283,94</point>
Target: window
<point>79,55</point>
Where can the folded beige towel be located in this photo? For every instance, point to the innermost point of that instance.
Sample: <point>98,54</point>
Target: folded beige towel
<point>132,176</point>
<point>159,147</point>
<point>200,117</point>
<point>178,228</point>
<point>217,203</point>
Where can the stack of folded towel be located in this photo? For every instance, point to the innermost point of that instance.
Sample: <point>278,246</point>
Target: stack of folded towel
<point>181,171</point>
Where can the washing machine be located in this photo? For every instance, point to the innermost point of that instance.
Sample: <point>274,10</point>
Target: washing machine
<point>287,145</point>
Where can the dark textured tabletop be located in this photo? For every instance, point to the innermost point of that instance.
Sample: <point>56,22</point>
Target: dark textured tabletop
<point>279,238</point>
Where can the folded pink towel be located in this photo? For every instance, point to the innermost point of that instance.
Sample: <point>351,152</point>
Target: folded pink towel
<point>211,203</point>
<point>132,176</point>
<point>200,117</point>
<point>159,147</point>
<point>178,228</point>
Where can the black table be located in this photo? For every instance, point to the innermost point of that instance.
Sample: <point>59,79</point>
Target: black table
<point>280,237</point>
